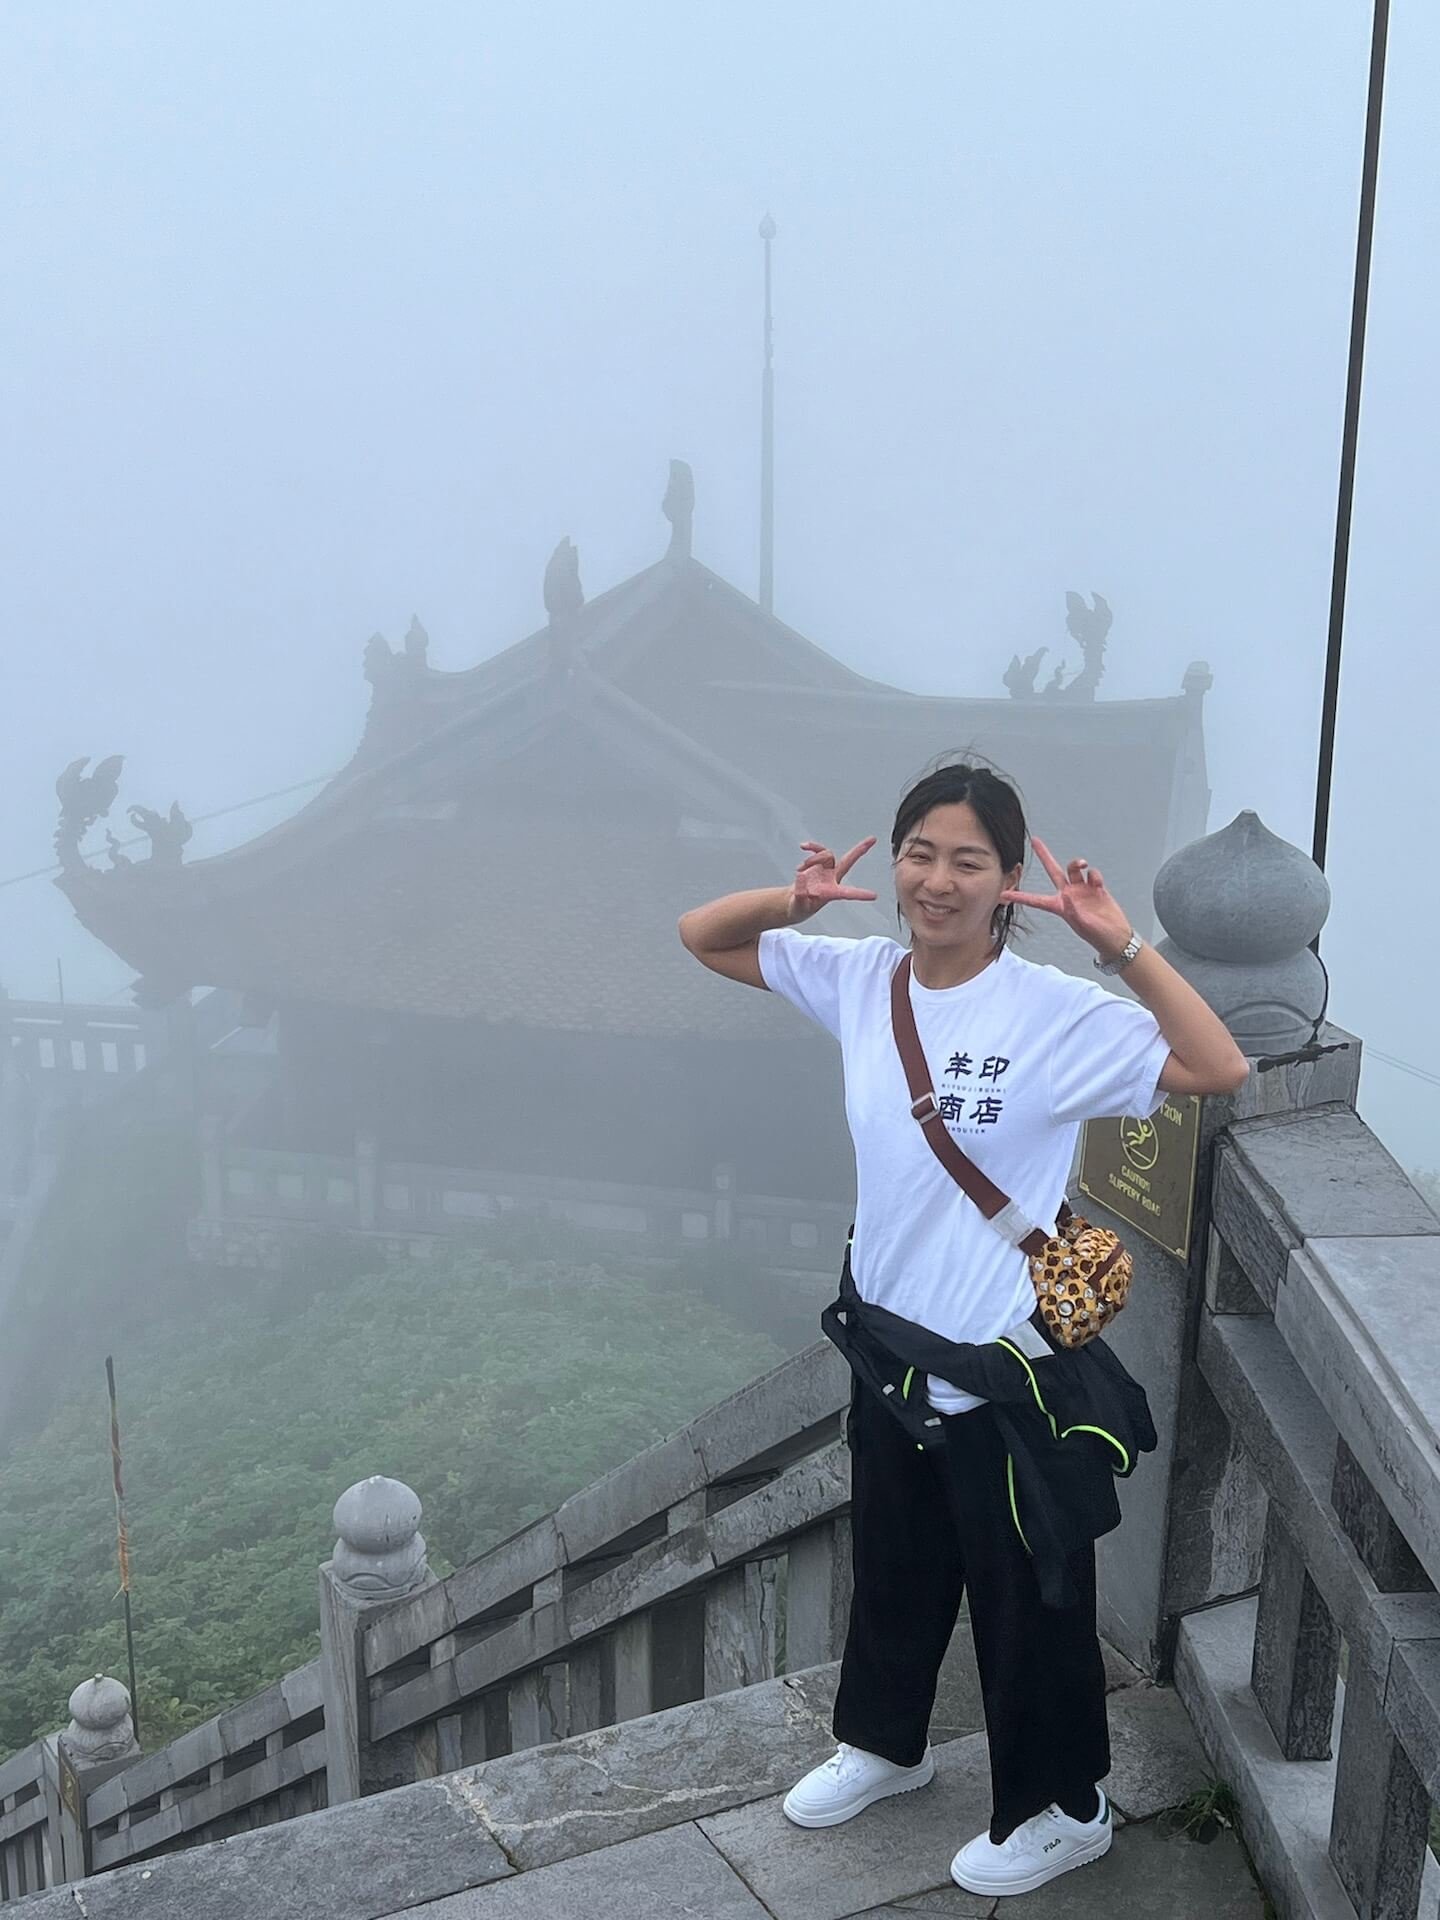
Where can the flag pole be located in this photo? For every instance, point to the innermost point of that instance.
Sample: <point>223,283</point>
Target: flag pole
<point>1359,309</point>
<point>767,439</point>
<point>122,1541</point>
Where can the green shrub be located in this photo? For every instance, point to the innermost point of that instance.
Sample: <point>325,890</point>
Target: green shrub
<point>494,1386</point>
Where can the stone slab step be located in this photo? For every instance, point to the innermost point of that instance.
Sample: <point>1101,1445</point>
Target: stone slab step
<point>891,1860</point>
<point>688,1798</point>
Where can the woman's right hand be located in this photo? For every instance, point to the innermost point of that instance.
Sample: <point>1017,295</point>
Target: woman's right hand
<point>819,876</point>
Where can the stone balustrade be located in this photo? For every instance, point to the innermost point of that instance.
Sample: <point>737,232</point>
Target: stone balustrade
<point>43,1839</point>
<point>29,1822</point>
<point>256,1763</point>
<point>1318,1346</point>
<point>85,1800</point>
<point>718,1558</point>
<point>681,1575</point>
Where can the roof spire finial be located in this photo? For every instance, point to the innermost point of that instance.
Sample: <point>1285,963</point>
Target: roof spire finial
<point>564,596</point>
<point>678,507</point>
<point>767,439</point>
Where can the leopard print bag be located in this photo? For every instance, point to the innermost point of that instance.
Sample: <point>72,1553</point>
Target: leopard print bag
<point>1082,1279</point>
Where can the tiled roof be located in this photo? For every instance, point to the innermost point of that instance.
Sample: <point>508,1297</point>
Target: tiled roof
<point>468,919</point>
<point>677,617</point>
<point>1095,779</point>
<point>684,693</point>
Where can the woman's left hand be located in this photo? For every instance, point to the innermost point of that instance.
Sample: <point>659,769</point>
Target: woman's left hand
<point>1081,899</point>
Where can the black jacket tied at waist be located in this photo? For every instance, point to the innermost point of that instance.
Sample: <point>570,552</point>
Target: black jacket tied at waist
<point>1072,1420</point>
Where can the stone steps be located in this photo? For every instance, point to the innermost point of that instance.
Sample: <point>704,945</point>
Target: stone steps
<point>679,1814</point>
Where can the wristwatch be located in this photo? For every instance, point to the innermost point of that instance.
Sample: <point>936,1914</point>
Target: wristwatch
<point>1122,959</point>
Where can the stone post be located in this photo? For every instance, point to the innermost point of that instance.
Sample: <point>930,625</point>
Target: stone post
<point>1240,909</point>
<point>367,1180</point>
<point>101,1729</point>
<point>724,1204</point>
<point>634,1658</point>
<point>17,1114</point>
<point>178,1065</point>
<point>740,1623</point>
<point>212,1171</point>
<point>99,1741</point>
<point>154,1034</point>
<point>54,1137</point>
<point>817,1595</point>
<point>378,1558</point>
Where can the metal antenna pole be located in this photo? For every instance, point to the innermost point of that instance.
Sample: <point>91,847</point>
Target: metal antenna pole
<point>1358,312</point>
<point>767,439</point>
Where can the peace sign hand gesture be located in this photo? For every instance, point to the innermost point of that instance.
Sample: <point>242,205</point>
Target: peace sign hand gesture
<point>1081,900</point>
<point>818,877</point>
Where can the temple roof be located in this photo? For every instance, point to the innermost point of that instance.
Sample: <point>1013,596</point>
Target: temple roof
<point>450,918</point>
<point>528,865</point>
<point>515,841</point>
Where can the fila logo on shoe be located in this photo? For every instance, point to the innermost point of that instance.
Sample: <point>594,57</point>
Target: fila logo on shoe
<point>1038,1851</point>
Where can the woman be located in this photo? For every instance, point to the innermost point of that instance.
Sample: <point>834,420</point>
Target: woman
<point>1019,1055</point>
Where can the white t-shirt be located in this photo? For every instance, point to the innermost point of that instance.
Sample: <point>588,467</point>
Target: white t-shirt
<point>1018,1057</point>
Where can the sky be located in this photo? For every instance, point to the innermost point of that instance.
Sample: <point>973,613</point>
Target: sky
<point>317,316</point>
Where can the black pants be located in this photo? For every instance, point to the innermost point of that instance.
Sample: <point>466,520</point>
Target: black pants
<point>928,1528</point>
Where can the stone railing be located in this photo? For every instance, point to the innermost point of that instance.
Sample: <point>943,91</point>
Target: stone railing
<point>716,1558</point>
<point>84,1800</point>
<point>29,1823</point>
<point>719,1557</point>
<point>257,1201</point>
<point>252,1765</point>
<point>97,1043</point>
<point>1318,1342</point>
<point>43,1839</point>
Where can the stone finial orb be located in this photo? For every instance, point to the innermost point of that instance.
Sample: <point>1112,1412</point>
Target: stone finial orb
<point>1241,907</point>
<point>380,1554</point>
<point>100,1726</point>
<point>1242,895</point>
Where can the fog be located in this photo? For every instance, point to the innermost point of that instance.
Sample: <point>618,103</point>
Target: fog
<point>316,317</point>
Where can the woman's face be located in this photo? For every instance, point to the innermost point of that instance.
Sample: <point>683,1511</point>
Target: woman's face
<point>948,878</point>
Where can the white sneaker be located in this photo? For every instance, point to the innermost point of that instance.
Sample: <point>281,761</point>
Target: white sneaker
<point>848,1782</point>
<point>1038,1850</point>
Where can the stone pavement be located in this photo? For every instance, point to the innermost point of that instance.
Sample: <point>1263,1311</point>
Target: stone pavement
<point>679,1815</point>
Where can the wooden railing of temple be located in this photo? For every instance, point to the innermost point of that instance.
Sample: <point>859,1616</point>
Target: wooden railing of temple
<point>77,1042</point>
<point>258,1200</point>
<point>1319,1341</point>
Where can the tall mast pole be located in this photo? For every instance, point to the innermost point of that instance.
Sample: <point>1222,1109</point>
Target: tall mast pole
<point>122,1540</point>
<point>1358,312</point>
<point>767,440</point>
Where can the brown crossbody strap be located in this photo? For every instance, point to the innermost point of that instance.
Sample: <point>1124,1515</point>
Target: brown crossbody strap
<point>925,1109</point>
